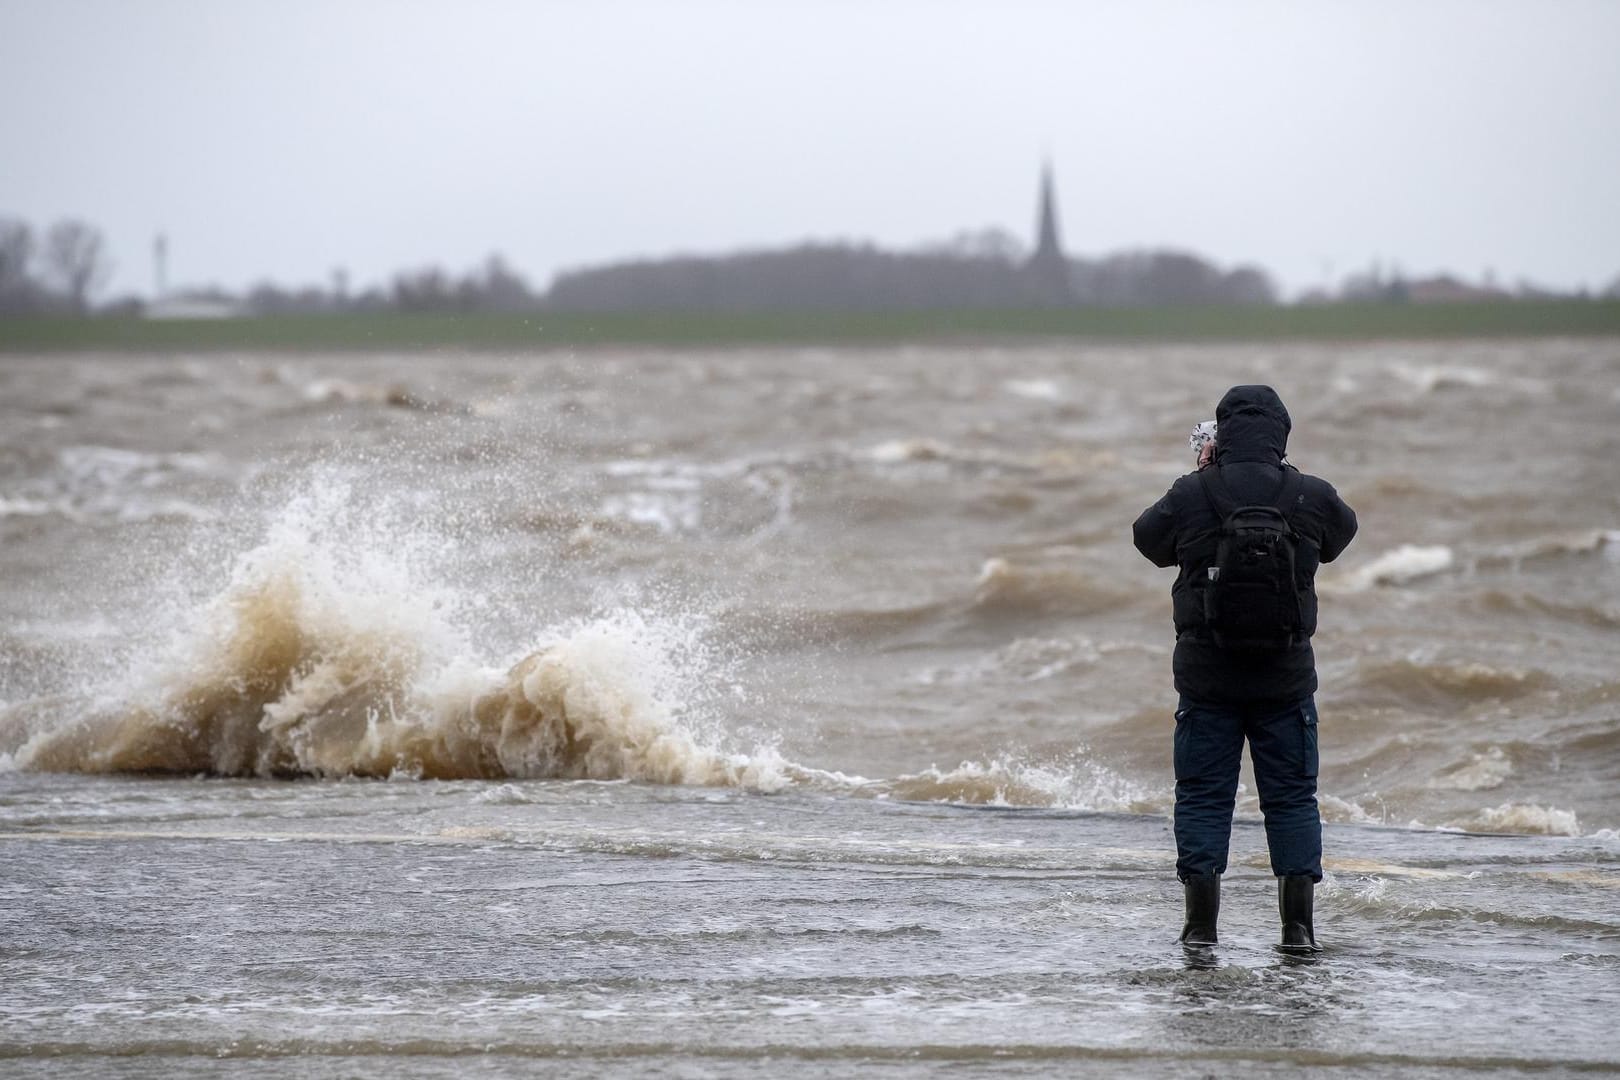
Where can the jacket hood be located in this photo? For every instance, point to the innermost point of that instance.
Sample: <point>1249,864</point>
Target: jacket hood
<point>1251,424</point>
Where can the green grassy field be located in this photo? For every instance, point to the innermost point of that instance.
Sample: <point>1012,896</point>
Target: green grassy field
<point>551,330</point>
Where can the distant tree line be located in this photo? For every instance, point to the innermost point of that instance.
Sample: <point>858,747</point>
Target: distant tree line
<point>57,271</point>
<point>493,286</point>
<point>63,268</point>
<point>986,269</point>
<point>1379,284</point>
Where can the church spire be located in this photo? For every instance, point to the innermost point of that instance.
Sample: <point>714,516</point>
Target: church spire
<point>1048,267</point>
<point>1048,248</point>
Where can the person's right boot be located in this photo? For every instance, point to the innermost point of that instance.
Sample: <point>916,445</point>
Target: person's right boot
<point>1294,902</point>
<point>1203,908</point>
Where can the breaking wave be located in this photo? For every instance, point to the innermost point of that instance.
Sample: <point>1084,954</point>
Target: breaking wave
<point>1400,566</point>
<point>279,697</point>
<point>1480,772</point>
<point>1553,546</point>
<point>1595,615</point>
<point>1075,783</point>
<point>321,659</point>
<point>1414,562</point>
<point>1007,587</point>
<point>1438,684</point>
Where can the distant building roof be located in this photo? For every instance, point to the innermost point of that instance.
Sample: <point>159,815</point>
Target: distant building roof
<point>1449,290</point>
<point>190,307</point>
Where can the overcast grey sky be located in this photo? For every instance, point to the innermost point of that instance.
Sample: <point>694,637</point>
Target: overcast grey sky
<point>285,138</point>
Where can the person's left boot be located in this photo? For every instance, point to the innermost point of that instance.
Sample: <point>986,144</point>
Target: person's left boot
<point>1294,902</point>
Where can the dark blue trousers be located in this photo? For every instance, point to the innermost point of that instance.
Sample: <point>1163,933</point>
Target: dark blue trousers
<point>1282,746</point>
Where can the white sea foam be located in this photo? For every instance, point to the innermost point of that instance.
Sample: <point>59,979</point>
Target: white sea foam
<point>1076,782</point>
<point>935,453</point>
<point>1023,660</point>
<point>1520,818</point>
<point>1481,772</point>
<point>1349,811</point>
<point>667,512</point>
<point>111,483</point>
<point>23,507</point>
<point>896,451</point>
<point>671,497</point>
<point>109,466</point>
<point>677,475</point>
<point>1427,378</point>
<point>503,795</point>
<point>346,392</point>
<point>1034,389</point>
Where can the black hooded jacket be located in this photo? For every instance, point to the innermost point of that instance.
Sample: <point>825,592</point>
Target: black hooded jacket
<point>1181,530</point>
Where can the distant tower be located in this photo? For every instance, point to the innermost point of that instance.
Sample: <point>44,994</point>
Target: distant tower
<point>1047,244</point>
<point>1048,266</point>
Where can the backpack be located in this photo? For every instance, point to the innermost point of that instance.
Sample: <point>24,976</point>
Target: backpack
<point>1251,599</point>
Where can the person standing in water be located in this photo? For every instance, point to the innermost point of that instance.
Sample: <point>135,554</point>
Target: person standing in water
<point>1247,531</point>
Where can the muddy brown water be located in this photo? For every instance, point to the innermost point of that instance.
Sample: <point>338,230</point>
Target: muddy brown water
<point>679,712</point>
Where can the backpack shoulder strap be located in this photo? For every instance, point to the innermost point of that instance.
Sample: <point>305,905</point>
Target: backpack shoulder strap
<point>1215,490</point>
<point>1287,500</point>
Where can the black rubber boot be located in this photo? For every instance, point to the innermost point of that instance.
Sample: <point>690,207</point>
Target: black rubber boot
<point>1203,908</point>
<point>1294,895</point>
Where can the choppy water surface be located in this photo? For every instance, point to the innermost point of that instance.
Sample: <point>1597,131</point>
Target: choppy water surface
<point>700,712</point>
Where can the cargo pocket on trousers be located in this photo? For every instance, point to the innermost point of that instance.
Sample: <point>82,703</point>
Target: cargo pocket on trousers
<point>1307,727</point>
